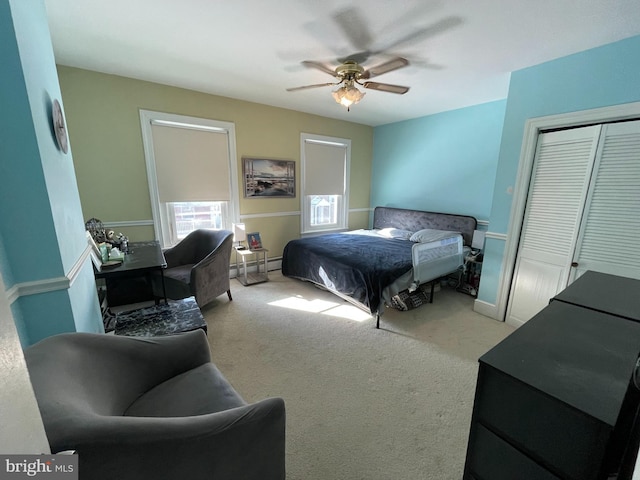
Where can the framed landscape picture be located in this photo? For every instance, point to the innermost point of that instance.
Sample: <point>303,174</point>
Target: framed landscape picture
<point>263,177</point>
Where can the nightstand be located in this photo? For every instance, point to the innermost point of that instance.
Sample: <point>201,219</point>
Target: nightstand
<point>471,275</point>
<point>244,255</point>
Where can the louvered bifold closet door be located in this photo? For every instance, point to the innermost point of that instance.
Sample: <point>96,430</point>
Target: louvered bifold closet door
<point>555,205</point>
<point>608,239</point>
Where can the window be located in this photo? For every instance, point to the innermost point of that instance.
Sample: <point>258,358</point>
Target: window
<point>325,180</point>
<point>189,216</point>
<point>324,210</point>
<point>191,173</point>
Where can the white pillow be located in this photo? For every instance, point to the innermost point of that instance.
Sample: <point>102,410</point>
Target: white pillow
<point>430,235</point>
<point>395,233</point>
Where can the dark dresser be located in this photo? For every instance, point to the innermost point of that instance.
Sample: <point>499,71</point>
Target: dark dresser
<point>556,399</point>
<point>605,293</point>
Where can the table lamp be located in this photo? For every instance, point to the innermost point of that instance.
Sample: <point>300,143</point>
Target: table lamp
<point>478,240</point>
<point>239,235</point>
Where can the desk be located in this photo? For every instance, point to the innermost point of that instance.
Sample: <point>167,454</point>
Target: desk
<point>142,259</point>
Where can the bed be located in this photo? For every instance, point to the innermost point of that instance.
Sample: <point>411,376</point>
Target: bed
<point>369,267</point>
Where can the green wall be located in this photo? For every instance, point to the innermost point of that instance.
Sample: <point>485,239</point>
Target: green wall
<point>103,120</point>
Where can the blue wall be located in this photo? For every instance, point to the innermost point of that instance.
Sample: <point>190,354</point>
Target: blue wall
<point>44,247</point>
<point>444,162</point>
<point>20,165</point>
<point>604,76</point>
<point>466,160</point>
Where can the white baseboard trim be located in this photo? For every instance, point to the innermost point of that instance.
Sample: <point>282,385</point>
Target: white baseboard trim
<point>37,286</point>
<point>290,214</point>
<point>272,265</point>
<point>269,215</point>
<point>128,223</point>
<point>63,283</point>
<point>275,264</point>
<point>486,309</point>
<point>496,236</point>
<point>72,274</point>
<point>143,223</point>
<point>49,284</point>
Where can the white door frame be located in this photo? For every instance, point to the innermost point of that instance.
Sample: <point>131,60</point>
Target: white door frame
<point>147,118</point>
<point>532,128</point>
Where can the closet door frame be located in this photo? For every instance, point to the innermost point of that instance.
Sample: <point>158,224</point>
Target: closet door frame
<point>533,127</point>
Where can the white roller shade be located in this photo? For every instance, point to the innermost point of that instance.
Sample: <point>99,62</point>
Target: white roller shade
<point>325,169</point>
<point>192,165</point>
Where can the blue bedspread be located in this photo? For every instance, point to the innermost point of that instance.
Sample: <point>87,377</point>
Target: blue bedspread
<point>359,266</point>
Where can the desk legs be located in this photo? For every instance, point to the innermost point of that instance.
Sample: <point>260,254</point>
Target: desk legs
<point>164,288</point>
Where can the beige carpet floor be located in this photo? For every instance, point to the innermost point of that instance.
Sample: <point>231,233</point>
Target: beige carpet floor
<point>362,403</point>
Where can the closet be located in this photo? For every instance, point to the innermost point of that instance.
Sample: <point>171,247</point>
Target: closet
<point>582,213</point>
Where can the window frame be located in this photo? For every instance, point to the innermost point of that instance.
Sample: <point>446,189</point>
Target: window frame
<point>305,200</point>
<point>172,217</point>
<point>162,221</point>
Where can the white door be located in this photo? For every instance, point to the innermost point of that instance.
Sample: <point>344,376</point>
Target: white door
<point>611,226</point>
<point>555,204</point>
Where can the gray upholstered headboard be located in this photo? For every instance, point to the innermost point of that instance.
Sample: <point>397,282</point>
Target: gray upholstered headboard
<point>414,220</point>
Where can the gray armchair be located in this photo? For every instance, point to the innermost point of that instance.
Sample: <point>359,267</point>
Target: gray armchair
<point>152,408</point>
<point>198,266</point>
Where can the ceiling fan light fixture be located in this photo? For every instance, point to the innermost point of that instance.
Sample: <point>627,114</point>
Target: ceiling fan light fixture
<point>350,74</point>
<point>347,95</point>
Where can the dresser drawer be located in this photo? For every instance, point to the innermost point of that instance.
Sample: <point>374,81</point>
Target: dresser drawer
<point>491,458</point>
<point>562,438</point>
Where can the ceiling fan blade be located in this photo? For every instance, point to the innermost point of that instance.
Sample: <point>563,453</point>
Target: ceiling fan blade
<point>385,87</point>
<point>319,66</point>
<point>358,57</point>
<point>388,66</point>
<point>305,87</point>
<point>353,25</point>
<point>433,29</point>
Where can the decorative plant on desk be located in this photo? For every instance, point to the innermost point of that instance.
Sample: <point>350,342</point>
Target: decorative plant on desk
<point>96,228</point>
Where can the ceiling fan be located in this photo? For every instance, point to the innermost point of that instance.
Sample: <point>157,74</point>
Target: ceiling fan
<point>352,23</point>
<point>350,73</point>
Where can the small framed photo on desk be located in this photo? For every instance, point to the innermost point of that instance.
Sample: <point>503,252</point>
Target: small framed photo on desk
<point>96,256</point>
<point>254,241</point>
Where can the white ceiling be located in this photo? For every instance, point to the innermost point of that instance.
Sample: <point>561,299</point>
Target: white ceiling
<point>252,49</point>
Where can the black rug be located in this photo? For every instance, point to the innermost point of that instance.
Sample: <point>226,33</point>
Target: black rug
<point>109,321</point>
<point>163,319</point>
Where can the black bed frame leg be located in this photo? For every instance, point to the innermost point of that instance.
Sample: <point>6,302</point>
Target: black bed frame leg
<point>378,320</point>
